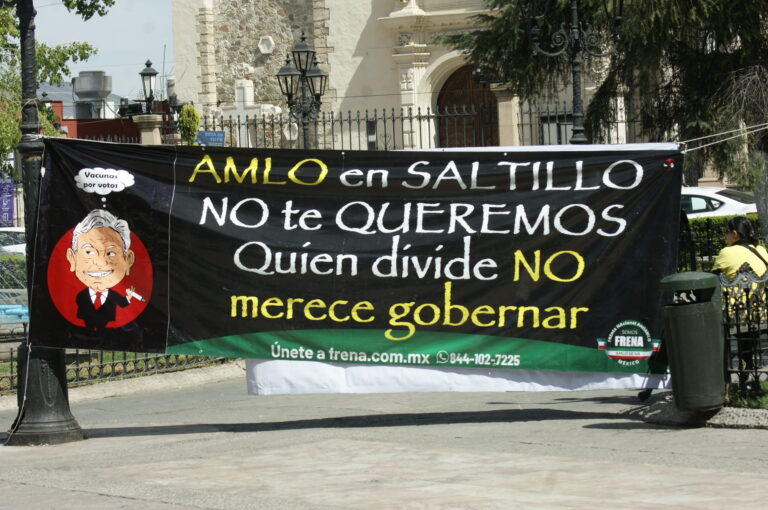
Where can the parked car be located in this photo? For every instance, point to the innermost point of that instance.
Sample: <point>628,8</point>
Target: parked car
<point>699,202</point>
<point>12,240</point>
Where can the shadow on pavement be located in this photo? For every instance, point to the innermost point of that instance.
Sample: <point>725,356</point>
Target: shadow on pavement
<point>380,420</point>
<point>628,400</point>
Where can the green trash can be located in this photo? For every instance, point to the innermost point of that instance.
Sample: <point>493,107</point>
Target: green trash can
<point>693,326</point>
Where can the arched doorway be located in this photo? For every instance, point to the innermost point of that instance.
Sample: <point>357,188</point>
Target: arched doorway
<point>467,113</point>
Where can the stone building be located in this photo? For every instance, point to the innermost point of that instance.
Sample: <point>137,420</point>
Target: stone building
<point>380,54</point>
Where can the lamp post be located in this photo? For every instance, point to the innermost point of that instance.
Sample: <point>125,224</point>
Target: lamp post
<point>44,416</point>
<point>303,83</point>
<point>149,124</point>
<point>148,80</point>
<point>576,41</point>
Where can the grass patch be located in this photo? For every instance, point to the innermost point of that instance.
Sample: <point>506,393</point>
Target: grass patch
<point>755,399</point>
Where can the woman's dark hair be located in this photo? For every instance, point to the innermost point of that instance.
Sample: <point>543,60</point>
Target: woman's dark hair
<point>743,227</point>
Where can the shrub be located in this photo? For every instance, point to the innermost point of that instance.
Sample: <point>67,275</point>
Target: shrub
<point>189,124</point>
<point>13,271</point>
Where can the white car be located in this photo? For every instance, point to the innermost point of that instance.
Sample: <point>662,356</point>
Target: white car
<point>699,202</point>
<point>12,240</point>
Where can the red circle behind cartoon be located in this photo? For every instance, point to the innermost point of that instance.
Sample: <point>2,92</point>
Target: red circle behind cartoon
<point>64,286</point>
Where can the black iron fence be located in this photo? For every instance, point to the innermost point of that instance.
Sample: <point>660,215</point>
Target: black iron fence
<point>87,366</point>
<point>745,300</point>
<point>529,123</point>
<point>377,129</point>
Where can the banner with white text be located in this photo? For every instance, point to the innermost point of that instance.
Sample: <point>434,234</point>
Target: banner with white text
<point>533,258</point>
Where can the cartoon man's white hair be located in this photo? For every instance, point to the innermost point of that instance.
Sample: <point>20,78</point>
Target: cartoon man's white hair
<point>99,218</point>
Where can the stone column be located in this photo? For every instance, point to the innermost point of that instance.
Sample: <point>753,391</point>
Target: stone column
<point>149,127</point>
<point>321,18</point>
<point>509,113</point>
<point>412,60</point>
<point>171,139</point>
<point>207,56</point>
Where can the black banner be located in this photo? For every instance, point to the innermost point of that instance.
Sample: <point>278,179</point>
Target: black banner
<point>532,258</point>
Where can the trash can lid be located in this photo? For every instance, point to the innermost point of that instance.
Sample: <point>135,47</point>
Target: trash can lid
<point>690,280</point>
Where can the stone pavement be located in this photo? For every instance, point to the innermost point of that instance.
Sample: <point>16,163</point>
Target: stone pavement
<point>198,441</point>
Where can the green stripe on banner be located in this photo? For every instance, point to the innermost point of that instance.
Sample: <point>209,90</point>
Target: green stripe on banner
<point>423,349</point>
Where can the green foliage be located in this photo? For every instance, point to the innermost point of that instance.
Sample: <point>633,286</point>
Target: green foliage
<point>14,271</point>
<point>503,48</point>
<point>189,124</point>
<point>718,224</point>
<point>11,238</point>
<point>754,400</point>
<point>690,66</point>
<point>88,8</point>
<point>52,63</point>
<point>709,237</point>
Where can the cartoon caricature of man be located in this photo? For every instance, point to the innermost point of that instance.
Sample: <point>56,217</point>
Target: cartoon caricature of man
<point>100,257</point>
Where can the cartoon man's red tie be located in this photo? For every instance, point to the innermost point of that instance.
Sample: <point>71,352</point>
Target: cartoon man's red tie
<point>97,301</point>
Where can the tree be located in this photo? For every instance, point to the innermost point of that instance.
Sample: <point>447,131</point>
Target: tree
<point>691,67</point>
<point>52,64</point>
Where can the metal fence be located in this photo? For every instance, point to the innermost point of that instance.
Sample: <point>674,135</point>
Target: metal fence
<point>534,123</point>
<point>745,301</point>
<point>87,366</point>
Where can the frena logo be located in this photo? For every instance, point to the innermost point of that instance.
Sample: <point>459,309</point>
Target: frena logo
<point>628,343</point>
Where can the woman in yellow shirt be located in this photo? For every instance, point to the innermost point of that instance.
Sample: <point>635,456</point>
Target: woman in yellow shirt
<point>742,249</point>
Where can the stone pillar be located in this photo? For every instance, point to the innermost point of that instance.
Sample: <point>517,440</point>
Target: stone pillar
<point>171,139</point>
<point>412,60</point>
<point>321,18</point>
<point>509,113</point>
<point>149,127</point>
<point>207,56</point>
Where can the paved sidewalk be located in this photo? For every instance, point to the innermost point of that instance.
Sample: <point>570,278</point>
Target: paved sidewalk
<point>203,443</point>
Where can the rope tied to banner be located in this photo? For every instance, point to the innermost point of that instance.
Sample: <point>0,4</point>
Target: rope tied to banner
<point>741,132</point>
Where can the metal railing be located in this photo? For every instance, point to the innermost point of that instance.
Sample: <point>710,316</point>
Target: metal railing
<point>536,123</point>
<point>377,129</point>
<point>745,307</point>
<point>87,366</point>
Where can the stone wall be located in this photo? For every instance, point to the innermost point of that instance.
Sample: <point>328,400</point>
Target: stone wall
<point>240,24</point>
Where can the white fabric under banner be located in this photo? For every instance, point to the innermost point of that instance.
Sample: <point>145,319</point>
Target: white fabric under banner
<point>277,377</point>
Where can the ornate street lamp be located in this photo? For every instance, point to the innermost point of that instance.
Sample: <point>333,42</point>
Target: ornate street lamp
<point>576,41</point>
<point>303,84</point>
<point>148,80</point>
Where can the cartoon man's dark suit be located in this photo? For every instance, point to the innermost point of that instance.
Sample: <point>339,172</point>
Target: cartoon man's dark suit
<point>100,257</point>
<point>97,318</point>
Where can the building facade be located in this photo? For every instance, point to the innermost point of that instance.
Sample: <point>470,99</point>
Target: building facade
<point>380,55</point>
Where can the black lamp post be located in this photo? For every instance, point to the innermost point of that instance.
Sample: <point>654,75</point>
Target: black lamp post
<point>148,80</point>
<point>576,41</point>
<point>44,416</point>
<point>303,83</point>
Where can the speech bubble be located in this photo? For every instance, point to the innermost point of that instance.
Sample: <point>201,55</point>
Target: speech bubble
<point>103,180</point>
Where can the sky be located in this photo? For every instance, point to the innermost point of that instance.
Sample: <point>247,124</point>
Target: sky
<point>129,34</point>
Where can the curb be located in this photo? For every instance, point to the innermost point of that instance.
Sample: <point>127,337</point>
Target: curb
<point>664,412</point>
